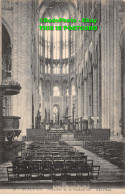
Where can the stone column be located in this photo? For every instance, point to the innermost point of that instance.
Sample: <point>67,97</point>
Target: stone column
<point>82,99</point>
<point>85,98</point>
<point>2,139</point>
<point>61,103</point>
<point>79,102</point>
<point>95,91</point>
<point>107,66</point>
<point>70,99</point>
<point>117,74</point>
<point>103,16</point>
<point>0,46</point>
<point>51,109</point>
<point>99,85</point>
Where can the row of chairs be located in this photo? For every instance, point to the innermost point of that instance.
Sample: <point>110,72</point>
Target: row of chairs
<point>47,136</point>
<point>93,134</point>
<point>63,161</point>
<point>111,150</point>
<point>61,156</point>
<point>47,159</point>
<point>51,150</point>
<point>59,170</point>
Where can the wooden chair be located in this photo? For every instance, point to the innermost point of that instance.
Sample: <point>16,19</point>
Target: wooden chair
<point>70,172</point>
<point>57,158</point>
<point>23,172</point>
<point>12,173</point>
<point>83,173</point>
<point>58,170</point>
<point>36,170</point>
<point>95,172</point>
<point>90,163</point>
<point>67,164</point>
<point>46,171</point>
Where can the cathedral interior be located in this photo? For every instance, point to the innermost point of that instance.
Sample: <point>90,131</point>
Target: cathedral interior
<point>62,93</point>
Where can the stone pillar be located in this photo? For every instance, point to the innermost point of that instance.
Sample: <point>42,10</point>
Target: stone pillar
<point>82,99</point>
<point>85,98</point>
<point>76,104</point>
<point>51,109</point>
<point>2,139</point>
<point>0,46</point>
<point>70,99</point>
<point>43,102</point>
<point>95,91</point>
<point>61,103</point>
<point>51,100</point>
<point>79,102</point>
<point>89,94</point>
<point>117,74</point>
<point>107,66</point>
<point>110,74</point>
<point>99,85</point>
<point>103,16</point>
<point>24,66</point>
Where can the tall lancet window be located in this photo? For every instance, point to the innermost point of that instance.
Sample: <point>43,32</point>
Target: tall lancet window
<point>65,38</point>
<point>47,42</point>
<point>56,91</point>
<point>72,43</point>
<point>56,42</point>
<point>65,43</point>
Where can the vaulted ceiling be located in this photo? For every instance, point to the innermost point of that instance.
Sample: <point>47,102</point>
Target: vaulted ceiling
<point>52,8</point>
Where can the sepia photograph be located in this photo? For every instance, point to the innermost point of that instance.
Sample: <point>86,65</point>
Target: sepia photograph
<point>62,96</point>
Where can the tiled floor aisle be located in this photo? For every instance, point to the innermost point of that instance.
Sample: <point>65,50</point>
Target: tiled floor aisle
<point>108,172</point>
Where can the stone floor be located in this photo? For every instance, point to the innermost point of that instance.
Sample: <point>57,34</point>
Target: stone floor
<point>108,172</point>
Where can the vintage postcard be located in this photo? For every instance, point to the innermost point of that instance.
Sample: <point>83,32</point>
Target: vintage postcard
<point>62,96</point>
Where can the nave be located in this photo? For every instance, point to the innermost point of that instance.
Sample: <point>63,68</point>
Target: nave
<point>62,95</point>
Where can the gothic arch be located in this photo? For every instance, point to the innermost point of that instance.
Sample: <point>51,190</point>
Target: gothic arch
<point>64,4</point>
<point>6,53</point>
<point>5,24</point>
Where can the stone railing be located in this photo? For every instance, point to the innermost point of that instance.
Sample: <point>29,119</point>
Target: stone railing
<point>11,87</point>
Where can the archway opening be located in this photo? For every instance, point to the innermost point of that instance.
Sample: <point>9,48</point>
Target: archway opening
<point>6,54</point>
<point>6,67</point>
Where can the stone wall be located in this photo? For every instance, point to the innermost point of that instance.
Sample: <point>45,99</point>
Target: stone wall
<point>101,77</point>
<point>20,22</point>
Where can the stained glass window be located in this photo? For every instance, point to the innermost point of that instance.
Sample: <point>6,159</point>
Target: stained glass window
<point>55,43</point>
